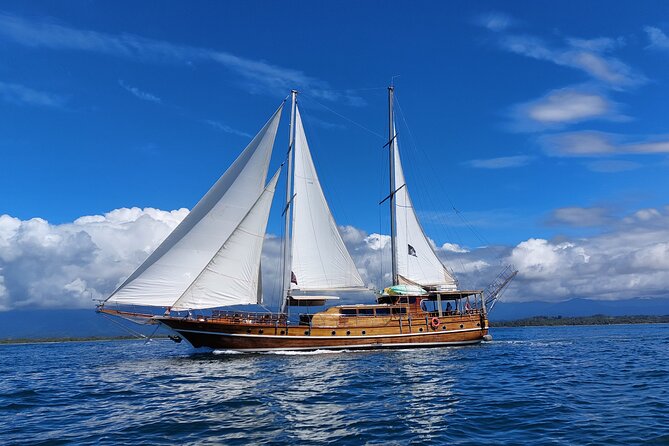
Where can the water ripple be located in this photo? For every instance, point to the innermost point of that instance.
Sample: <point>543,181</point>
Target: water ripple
<point>557,385</point>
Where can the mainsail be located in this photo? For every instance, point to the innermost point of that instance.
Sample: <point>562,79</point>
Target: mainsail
<point>416,260</point>
<point>320,260</point>
<point>232,277</point>
<point>175,265</point>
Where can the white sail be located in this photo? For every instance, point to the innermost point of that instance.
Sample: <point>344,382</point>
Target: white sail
<point>232,277</point>
<point>168,272</point>
<point>416,259</point>
<point>320,258</point>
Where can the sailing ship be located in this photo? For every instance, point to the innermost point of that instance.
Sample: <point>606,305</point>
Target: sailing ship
<point>212,260</point>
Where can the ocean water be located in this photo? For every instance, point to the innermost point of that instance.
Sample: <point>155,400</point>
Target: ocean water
<point>552,385</point>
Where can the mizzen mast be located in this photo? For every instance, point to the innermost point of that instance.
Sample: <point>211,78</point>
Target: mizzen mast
<point>287,245</point>
<point>391,150</point>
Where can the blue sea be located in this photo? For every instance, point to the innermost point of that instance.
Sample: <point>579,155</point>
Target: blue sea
<point>549,385</point>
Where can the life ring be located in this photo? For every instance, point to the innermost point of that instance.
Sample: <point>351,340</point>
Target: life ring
<point>435,322</point>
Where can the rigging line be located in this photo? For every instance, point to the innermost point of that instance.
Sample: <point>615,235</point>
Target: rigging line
<point>151,335</point>
<point>452,231</point>
<point>129,330</point>
<point>460,215</point>
<point>344,117</point>
<point>354,89</point>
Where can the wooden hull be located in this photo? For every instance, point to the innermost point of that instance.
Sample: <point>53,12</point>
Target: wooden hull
<point>462,330</point>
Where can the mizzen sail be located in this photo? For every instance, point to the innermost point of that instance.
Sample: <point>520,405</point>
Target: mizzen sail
<point>416,260</point>
<point>320,260</point>
<point>174,266</point>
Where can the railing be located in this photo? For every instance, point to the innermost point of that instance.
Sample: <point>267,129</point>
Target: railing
<point>241,317</point>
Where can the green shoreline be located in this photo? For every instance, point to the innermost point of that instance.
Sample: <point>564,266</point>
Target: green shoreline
<point>598,319</point>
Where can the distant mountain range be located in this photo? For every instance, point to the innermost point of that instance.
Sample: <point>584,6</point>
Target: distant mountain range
<point>24,324</point>
<point>580,307</point>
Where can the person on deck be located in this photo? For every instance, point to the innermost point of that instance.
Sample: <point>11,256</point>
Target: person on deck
<point>449,309</point>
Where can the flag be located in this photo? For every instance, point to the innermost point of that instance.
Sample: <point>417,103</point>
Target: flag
<point>293,279</point>
<point>412,251</point>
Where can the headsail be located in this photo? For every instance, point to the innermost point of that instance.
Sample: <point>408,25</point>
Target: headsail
<point>320,258</point>
<point>416,259</point>
<point>232,277</point>
<point>171,269</point>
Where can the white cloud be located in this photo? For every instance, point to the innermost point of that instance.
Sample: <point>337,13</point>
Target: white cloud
<point>62,266</point>
<point>503,162</point>
<point>143,95</point>
<point>495,21</point>
<point>587,56</point>
<point>256,75</point>
<point>22,95</point>
<point>612,166</point>
<point>631,260</point>
<point>227,129</point>
<point>594,144</point>
<point>453,247</point>
<point>566,106</point>
<point>578,216</point>
<point>658,39</point>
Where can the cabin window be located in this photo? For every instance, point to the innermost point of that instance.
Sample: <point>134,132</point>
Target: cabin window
<point>412,300</point>
<point>348,312</point>
<point>366,311</point>
<point>382,311</point>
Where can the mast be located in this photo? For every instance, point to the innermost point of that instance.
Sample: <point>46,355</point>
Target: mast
<point>391,144</point>
<point>287,254</point>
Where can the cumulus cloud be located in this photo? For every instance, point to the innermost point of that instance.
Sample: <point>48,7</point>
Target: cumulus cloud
<point>43,265</point>
<point>631,260</point>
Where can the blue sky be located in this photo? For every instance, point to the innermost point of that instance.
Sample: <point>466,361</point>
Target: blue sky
<point>534,119</point>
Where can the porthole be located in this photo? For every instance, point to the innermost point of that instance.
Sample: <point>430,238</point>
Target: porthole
<point>261,331</point>
<point>248,331</point>
<point>420,329</point>
<point>478,324</point>
<point>334,332</point>
<point>282,332</point>
<point>462,326</point>
<point>364,332</point>
<point>443,327</point>
<point>306,332</point>
<point>348,333</point>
